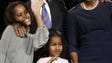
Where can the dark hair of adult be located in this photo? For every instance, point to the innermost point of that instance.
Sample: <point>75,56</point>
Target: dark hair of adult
<point>9,16</point>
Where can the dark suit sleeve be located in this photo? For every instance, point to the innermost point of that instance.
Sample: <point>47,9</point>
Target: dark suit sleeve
<point>72,32</point>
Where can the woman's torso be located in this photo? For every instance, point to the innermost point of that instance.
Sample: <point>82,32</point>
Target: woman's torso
<point>95,31</point>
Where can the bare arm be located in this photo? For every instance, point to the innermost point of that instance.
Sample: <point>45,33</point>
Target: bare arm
<point>74,57</point>
<point>36,11</point>
<point>42,33</point>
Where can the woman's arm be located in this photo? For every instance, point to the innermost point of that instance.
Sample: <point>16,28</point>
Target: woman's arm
<point>36,11</point>
<point>74,57</point>
<point>42,33</point>
<point>72,34</point>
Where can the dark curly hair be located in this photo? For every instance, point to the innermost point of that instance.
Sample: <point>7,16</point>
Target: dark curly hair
<point>9,16</point>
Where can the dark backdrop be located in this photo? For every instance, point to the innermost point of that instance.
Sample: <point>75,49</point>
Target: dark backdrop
<point>4,3</point>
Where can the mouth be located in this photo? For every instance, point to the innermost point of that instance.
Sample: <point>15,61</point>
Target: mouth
<point>27,21</point>
<point>58,52</point>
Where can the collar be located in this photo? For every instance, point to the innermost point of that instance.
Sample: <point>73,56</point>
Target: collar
<point>44,1</point>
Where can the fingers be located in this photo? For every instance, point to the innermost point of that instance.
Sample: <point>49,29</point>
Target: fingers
<point>52,59</point>
<point>20,30</point>
<point>15,28</point>
<point>39,2</point>
<point>37,5</point>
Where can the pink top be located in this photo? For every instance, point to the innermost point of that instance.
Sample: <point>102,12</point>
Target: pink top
<point>46,59</point>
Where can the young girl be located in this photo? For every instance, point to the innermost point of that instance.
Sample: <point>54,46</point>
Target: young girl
<point>52,49</point>
<point>14,49</point>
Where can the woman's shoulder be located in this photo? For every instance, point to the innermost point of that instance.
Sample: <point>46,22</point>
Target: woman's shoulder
<point>10,27</point>
<point>75,9</point>
<point>109,4</point>
<point>8,32</point>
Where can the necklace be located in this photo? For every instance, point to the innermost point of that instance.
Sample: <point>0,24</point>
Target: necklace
<point>85,7</point>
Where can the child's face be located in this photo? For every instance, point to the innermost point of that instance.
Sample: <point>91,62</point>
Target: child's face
<point>22,15</point>
<point>55,46</point>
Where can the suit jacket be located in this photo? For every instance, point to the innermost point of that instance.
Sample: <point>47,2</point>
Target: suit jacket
<point>58,10</point>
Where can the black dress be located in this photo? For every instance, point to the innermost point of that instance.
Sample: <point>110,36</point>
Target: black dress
<point>90,33</point>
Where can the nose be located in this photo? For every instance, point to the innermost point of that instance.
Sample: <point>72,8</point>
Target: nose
<point>57,47</point>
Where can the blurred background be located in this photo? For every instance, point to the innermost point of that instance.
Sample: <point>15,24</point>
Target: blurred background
<point>3,3</point>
